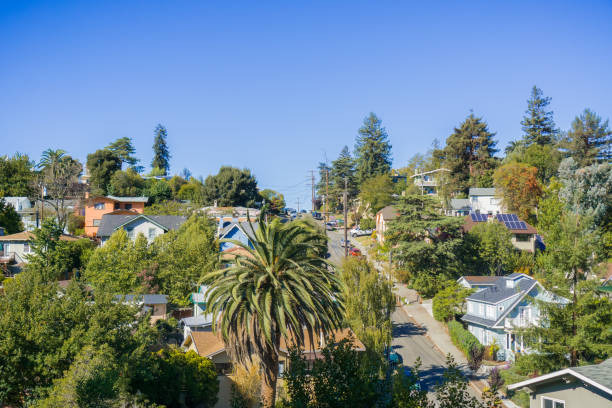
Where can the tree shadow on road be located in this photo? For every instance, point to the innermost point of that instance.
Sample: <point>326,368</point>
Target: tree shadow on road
<point>407,329</point>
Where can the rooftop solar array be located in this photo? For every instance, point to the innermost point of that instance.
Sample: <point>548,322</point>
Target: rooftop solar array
<point>516,225</point>
<point>507,218</point>
<point>479,217</point>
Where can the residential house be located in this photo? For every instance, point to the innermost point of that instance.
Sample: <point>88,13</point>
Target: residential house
<point>383,217</point>
<point>501,306</point>
<point>97,207</point>
<point>15,248</point>
<point>200,320</point>
<point>150,226</point>
<point>27,212</point>
<point>524,236</point>
<point>589,385</point>
<point>154,303</point>
<point>428,181</point>
<point>484,201</point>
<point>459,207</point>
<point>237,229</point>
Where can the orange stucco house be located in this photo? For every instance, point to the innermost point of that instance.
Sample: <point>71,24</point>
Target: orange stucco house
<point>96,207</point>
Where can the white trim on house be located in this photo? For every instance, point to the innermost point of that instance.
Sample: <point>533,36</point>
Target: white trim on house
<point>553,400</point>
<point>556,374</point>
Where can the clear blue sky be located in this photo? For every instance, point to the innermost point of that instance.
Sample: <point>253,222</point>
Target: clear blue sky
<point>273,86</point>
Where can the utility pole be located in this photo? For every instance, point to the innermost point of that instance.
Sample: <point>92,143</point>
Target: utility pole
<point>313,189</point>
<point>326,195</point>
<point>298,204</point>
<point>345,216</point>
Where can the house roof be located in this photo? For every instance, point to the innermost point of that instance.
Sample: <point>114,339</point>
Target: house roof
<point>468,224</point>
<point>478,320</point>
<point>388,213</point>
<point>111,222</point>
<point>598,376</point>
<point>429,172</point>
<point>480,280</point>
<point>460,203</point>
<point>499,291</point>
<point>234,251</point>
<point>244,226</point>
<point>149,299</point>
<point>205,341</point>
<point>129,199</point>
<point>197,321</point>
<point>476,191</point>
<point>29,236</point>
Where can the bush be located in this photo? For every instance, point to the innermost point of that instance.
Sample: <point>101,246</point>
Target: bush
<point>449,301</point>
<point>367,223</point>
<point>495,380</point>
<point>463,339</point>
<point>475,357</point>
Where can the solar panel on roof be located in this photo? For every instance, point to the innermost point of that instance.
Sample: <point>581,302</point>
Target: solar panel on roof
<point>514,217</point>
<point>522,225</point>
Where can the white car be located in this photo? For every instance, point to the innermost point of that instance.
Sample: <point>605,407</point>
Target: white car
<point>357,232</point>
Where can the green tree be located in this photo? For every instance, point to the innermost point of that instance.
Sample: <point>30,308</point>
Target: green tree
<point>427,245</point>
<point>283,288</point>
<point>372,149</point>
<point>469,155</point>
<point>126,183</point>
<point>116,265</point>
<point>9,219</point>
<point>377,192</point>
<point>544,158</point>
<point>493,245</point>
<point>325,187</point>
<point>369,302</point>
<point>449,302</point>
<point>339,379</point>
<point>589,140</point>
<point>124,149</point>
<point>175,183</point>
<point>519,187</point>
<point>192,191</point>
<point>538,123</point>
<point>274,200</point>
<point>161,154</point>
<point>341,168</point>
<point>16,176</point>
<point>231,187</point>
<point>184,373</point>
<point>101,166</point>
<point>453,392</point>
<point>184,256</point>
<point>158,190</point>
<point>586,191</point>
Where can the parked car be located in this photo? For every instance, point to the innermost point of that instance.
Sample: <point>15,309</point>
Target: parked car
<point>344,243</point>
<point>355,252</point>
<point>394,358</point>
<point>357,232</point>
<point>329,227</point>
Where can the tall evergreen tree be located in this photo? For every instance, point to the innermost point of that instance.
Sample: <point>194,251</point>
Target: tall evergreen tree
<point>124,149</point>
<point>343,166</point>
<point>161,154</point>
<point>325,185</point>
<point>538,123</point>
<point>468,155</point>
<point>590,140</point>
<point>372,149</point>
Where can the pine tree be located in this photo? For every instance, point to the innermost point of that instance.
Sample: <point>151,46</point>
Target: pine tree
<point>538,124</point>
<point>372,149</point>
<point>161,154</point>
<point>343,166</point>
<point>468,155</point>
<point>589,141</point>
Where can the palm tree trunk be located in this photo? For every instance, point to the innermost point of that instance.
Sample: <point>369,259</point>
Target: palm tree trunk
<point>269,379</point>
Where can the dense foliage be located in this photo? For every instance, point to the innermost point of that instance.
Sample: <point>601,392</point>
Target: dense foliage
<point>231,187</point>
<point>463,339</point>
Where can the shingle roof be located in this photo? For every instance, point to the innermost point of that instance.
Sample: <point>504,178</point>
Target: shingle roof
<point>389,213</point>
<point>206,342</point>
<point>110,222</point>
<point>600,373</point>
<point>197,321</point>
<point>476,191</point>
<point>29,236</point>
<point>481,279</point>
<point>499,292</point>
<point>468,224</point>
<point>129,199</point>
<point>229,225</point>
<point>153,299</point>
<point>478,320</point>
<point>460,203</point>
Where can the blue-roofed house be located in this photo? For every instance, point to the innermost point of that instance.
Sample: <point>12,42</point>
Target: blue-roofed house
<point>200,319</point>
<point>502,305</point>
<point>238,230</point>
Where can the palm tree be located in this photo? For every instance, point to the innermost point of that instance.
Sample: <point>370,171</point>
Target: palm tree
<point>280,286</point>
<point>51,160</point>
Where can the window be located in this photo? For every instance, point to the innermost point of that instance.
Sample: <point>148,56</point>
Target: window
<point>130,232</point>
<point>128,206</point>
<point>96,223</point>
<point>26,248</point>
<point>482,309</point>
<point>552,403</point>
<point>116,206</point>
<point>151,233</point>
<point>281,368</point>
<point>470,307</point>
<point>99,206</point>
<point>490,312</point>
<point>522,237</point>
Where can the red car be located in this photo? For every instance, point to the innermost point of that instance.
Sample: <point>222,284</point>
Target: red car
<point>354,252</point>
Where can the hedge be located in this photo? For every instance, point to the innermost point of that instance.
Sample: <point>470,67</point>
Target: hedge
<point>463,339</point>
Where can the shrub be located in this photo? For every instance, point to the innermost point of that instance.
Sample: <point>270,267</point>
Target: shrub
<point>449,301</point>
<point>463,339</point>
<point>475,357</point>
<point>495,380</point>
<point>493,349</point>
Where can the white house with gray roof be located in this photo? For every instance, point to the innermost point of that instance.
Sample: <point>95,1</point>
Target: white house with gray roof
<point>500,306</point>
<point>586,386</point>
<point>484,201</point>
<point>150,226</point>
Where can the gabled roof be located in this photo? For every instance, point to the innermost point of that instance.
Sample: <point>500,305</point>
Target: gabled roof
<point>112,222</point>
<point>206,343</point>
<point>128,199</point>
<point>26,236</point>
<point>429,172</point>
<point>598,376</point>
<point>480,280</point>
<point>460,204</point>
<point>388,213</point>
<point>468,224</point>
<point>498,291</point>
<point>243,226</point>
<point>477,191</point>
